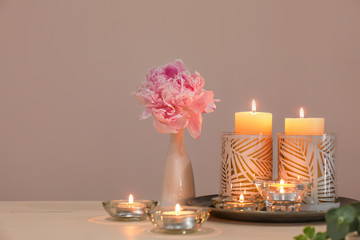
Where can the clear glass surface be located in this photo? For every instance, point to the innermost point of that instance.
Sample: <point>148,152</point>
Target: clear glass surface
<point>233,203</point>
<point>188,220</point>
<point>286,197</point>
<point>123,211</point>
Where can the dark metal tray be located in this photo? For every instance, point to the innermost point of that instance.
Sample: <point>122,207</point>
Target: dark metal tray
<point>262,216</point>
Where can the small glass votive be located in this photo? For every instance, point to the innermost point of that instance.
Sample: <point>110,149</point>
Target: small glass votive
<point>282,196</point>
<point>122,210</point>
<point>238,203</point>
<point>178,220</point>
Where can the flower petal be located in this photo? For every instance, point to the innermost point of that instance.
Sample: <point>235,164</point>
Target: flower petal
<point>181,121</point>
<point>163,128</point>
<point>194,125</point>
<point>173,69</point>
<point>203,101</point>
<point>146,113</point>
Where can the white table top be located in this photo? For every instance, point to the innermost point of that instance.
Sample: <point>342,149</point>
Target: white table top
<point>87,220</point>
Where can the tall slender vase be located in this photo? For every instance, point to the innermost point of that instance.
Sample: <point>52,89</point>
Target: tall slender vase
<point>178,180</point>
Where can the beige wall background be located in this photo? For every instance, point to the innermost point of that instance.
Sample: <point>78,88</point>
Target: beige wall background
<point>70,129</point>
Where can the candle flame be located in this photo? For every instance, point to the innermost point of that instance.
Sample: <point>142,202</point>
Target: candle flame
<point>298,177</point>
<point>253,106</point>
<point>177,209</point>
<point>302,113</point>
<point>282,182</point>
<point>241,198</point>
<point>131,199</point>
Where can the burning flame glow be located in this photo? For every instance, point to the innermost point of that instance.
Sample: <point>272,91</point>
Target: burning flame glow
<point>131,199</point>
<point>253,106</point>
<point>301,113</point>
<point>282,182</point>
<point>177,209</point>
<point>241,198</point>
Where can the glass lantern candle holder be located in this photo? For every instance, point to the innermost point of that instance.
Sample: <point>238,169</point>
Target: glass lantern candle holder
<point>240,203</point>
<point>282,196</point>
<point>310,158</point>
<point>178,220</point>
<point>122,210</point>
<point>244,159</point>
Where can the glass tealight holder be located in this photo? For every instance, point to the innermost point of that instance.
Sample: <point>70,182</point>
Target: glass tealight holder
<point>283,196</point>
<point>234,203</point>
<point>186,220</point>
<point>122,210</point>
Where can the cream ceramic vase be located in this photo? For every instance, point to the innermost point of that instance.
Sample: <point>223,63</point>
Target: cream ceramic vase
<point>178,179</point>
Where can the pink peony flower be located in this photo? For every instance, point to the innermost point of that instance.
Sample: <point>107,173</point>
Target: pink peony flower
<point>175,98</point>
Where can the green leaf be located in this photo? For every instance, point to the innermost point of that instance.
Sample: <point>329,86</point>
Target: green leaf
<point>340,221</point>
<point>320,236</point>
<point>301,237</point>
<point>357,207</point>
<point>357,224</point>
<point>309,232</point>
<point>347,212</point>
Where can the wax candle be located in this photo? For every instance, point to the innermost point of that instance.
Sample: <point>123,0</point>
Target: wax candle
<point>234,203</point>
<point>282,184</point>
<point>304,126</point>
<point>283,196</point>
<point>283,191</point>
<point>177,211</point>
<point>129,210</point>
<point>240,205</point>
<point>253,122</point>
<point>178,220</point>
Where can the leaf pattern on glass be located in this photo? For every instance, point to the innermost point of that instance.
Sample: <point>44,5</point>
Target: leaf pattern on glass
<point>309,158</point>
<point>244,159</point>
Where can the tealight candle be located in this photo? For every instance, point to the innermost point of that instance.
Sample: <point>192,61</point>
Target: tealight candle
<point>304,126</point>
<point>178,220</point>
<point>181,221</point>
<point>282,196</point>
<point>283,191</point>
<point>282,184</point>
<point>238,203</point>
<point>129,210</point>
<point>253,122</point>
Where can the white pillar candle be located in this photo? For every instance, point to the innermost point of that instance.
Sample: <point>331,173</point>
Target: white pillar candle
<point>304,126</point>
<point>253,122</point>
